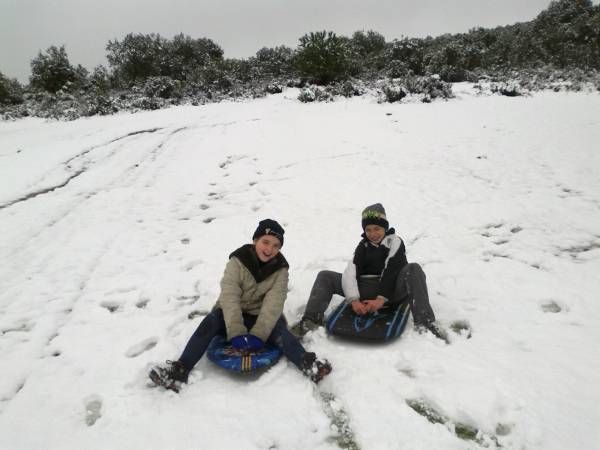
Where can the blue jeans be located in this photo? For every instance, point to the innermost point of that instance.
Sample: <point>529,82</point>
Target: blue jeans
<point>214,324</point>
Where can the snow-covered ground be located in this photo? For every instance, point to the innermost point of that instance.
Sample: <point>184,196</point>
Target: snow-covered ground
<point>115,230</point>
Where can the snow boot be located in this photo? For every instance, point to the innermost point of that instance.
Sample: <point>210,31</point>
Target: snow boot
<point>306,324</point>
<point>434,328</point>
<point>313,368</point>
<point>170,377</point>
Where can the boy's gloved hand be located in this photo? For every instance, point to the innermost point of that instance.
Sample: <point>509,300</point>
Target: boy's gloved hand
<point>247,343</point>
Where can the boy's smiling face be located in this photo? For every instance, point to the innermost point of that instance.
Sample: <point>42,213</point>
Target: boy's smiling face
<point>267,247</point>
<point>375,233</point>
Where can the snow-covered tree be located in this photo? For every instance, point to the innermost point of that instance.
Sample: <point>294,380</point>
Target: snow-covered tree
<point>274,62</point>
<point>137,57</point>
<point>405,55</point>
<point>323,57</point>
<point>367,53</point>
<point>11,91</point>
<point>184,54</point>
<point>51,70</point>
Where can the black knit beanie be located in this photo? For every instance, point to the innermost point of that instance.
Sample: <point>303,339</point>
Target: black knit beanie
<point>374,215</point>
<point>271,227</point>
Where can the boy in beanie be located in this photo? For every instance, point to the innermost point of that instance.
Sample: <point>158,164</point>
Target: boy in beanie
<point>248,311</point>
<point>378,274</point>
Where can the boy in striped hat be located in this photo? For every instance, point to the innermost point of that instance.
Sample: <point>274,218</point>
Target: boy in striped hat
<point>378,274</point>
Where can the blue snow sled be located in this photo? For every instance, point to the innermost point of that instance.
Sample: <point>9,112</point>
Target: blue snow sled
<point>224,355</point>
<point>385,325</point>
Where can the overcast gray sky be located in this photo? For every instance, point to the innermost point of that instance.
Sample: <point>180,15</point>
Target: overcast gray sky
<point>240,27</point>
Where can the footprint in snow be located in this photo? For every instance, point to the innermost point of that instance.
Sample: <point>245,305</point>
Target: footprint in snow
<point>191,264</point>
<point>215,196</point>
<point>111,306</point>
<point>141,347</point>
<point>575,251</point>
<point>408,371</point>
<point>462,328</point>
<point>551,307</point>
<point>188,298</point>
<point>93,409</point>
<point>566,192</point>
<point>499,231</point>
<point>142,303</point>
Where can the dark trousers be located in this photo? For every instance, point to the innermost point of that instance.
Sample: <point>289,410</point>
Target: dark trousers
<point>411,286</point>
<point>214,324</point>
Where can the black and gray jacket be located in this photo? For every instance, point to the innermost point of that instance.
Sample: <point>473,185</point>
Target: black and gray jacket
<point>383,261</point>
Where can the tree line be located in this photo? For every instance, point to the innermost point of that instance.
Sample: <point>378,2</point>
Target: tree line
<point>564,36</point>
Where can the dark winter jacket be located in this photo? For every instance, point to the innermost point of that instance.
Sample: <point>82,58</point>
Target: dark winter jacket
<point>249,286</point>
<point>383,261</point>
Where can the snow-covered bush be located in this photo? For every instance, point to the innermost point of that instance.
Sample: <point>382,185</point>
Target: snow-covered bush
<point>419,88</point>
<point>394,92</point>
<point>347,89</point>
<point>148,103</point>
<point>14,112</point>
<point>329,93</point>
<point>273,88</point>
<point>510,89</point>
<point>11,91</point>
<point>431,87</point>
<point>99,104</point>
<point>99,79</point>
<point>295,83</point>
<point>315,94</point>
<point>61,105</point>
<point>397,69</point>
<point>162,87</point>
<point>307,95</point>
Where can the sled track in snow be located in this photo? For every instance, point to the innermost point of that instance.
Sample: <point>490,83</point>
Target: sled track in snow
<point>85,152</point>
<point>127,177</point>
<point>43,191</point>
<point>80,171</point>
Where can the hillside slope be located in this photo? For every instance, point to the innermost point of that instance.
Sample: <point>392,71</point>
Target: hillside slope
<point>116,230</point>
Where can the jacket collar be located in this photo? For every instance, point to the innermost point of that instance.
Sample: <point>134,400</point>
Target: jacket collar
<point>260,271</point>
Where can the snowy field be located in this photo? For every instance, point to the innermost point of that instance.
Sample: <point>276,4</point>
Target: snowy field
<point>116,230</point>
